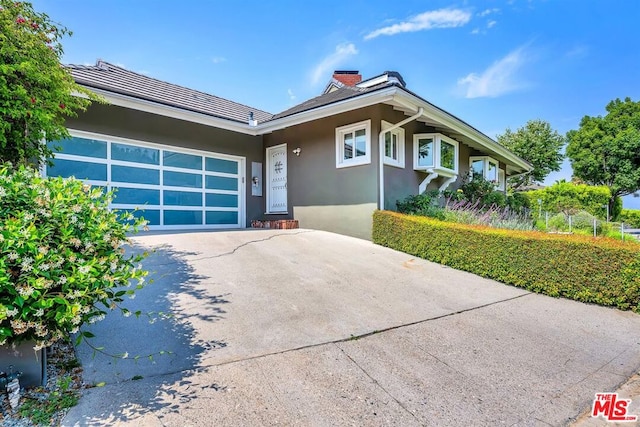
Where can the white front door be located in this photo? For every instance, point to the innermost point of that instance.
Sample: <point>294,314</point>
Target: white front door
<point>277,179</point>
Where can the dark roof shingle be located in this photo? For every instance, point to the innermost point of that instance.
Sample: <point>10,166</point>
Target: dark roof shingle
<point>116,79</point>
<point>340,94</point>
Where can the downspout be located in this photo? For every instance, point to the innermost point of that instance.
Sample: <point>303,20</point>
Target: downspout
<point>381,150</point>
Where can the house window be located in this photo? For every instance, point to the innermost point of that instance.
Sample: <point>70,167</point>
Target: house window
<point>393,146</point>
<point>435,151</point>
<point>485,167</point>
<point>502,182</point>
<point>353,144</point>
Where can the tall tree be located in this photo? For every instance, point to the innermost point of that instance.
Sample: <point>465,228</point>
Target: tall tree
<point>36,91</point>
<point>606,150</point>
<point>537,143</point>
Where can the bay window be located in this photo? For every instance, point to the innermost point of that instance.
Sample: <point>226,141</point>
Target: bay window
<point>434,151</point>
<point>487,168</point>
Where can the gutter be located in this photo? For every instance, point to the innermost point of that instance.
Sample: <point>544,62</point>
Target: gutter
<point>381,150</point>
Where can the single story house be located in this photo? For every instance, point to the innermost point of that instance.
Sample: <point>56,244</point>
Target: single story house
<point>194,160</point>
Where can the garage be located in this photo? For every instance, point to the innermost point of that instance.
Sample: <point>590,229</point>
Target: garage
<point>173,188</point>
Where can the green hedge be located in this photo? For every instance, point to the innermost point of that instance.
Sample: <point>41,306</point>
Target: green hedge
<point>569,198</point>
<point>630,217</point>
<point>601,271</point>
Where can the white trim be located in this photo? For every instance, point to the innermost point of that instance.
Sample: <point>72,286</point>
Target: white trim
<point>109,183</point>
<point>391,94</point>
<point>399,133</point>
<point>459,126</point>
<point>485,167</point>
<point>502,180</point>
<point>341,131</point>
<point>381,154</point>
<point>268,180</point>
<point>173,112</point>
<point>437,139</point>
<point>361,101</point>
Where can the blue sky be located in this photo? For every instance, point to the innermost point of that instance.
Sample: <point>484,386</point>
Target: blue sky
<point>495,64</point>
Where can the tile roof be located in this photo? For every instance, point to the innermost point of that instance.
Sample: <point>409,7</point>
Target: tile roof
<point>116,79</point>
<point>340,94</point>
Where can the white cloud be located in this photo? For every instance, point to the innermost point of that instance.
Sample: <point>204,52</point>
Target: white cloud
<point>579,52</point>
<point>292,96</point>
<point>218,59</point>
<point>498,79</point>
<point>475,31</point>
<point>330,62</point>
<point>441,18</point>
<point>488,12</point>
<point>490,24</point>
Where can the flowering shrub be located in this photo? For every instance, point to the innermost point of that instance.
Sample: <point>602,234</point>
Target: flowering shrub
<point>62,263</point>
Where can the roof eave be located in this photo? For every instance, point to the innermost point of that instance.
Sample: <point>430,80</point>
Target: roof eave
<point>465,129</point>
<point>365,100</point>
<point>139,104</point>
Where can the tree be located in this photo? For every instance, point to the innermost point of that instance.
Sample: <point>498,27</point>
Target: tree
<point>606,150</point>
<point>36,91</point>
<point>538,144</point>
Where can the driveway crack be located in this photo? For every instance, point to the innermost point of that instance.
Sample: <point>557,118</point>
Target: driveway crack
<point>249,243</point>
<point>377,383</point>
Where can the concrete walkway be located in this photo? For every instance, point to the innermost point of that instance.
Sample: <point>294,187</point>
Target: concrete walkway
<point>304,327</point>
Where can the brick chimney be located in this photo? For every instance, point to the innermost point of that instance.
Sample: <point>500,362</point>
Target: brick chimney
<point>347,77</point>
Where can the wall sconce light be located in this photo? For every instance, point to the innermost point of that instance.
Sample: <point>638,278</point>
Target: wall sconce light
<point>297,151</point>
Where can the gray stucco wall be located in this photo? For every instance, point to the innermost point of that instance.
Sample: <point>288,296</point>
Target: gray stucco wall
<point>320,195</point>
<point>142,126</point>
<point>403,182</point>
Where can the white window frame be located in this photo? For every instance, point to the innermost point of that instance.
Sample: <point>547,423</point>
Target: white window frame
<point>502,181</point>
<point>437,161</point>
<point>341,131</point>
<point>485,167</point>
<point>400,138</point>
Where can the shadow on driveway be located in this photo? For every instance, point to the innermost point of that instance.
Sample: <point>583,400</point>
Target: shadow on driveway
<point>160,330</point>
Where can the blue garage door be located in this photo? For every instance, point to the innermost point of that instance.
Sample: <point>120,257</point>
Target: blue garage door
<point>174,188</point>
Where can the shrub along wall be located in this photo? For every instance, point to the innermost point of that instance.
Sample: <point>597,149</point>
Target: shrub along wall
<point>630,217</point>
<point>602,271</point>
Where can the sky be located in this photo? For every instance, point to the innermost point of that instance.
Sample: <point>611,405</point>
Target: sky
<point>495,64</point>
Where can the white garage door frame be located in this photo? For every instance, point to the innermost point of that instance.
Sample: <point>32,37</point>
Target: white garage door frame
<point>162,206</point>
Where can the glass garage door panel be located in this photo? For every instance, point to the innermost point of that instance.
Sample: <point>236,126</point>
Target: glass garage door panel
<point>81,170</point>
<point>182,198</point>
<point>136,196</point>
<point>181,179</point>
<point>180,160</point>
<point>80,147</point>
<point>221,200</point>
<point>151,215</point>
<point>221,165</point>
<point>131,153</point>
<point>135,175</point>
<point>182,217</point>
<point>220,217</point>
<point>221,183</point>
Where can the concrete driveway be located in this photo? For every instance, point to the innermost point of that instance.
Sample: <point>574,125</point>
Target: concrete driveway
<point>303,327</point>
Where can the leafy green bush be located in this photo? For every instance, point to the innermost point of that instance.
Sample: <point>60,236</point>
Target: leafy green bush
<point>630,217</point>
<point>571,198</point>
<point>425,204</point>
<point>61,258</point>
<point>478,189</point>
<point>595,270</point>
